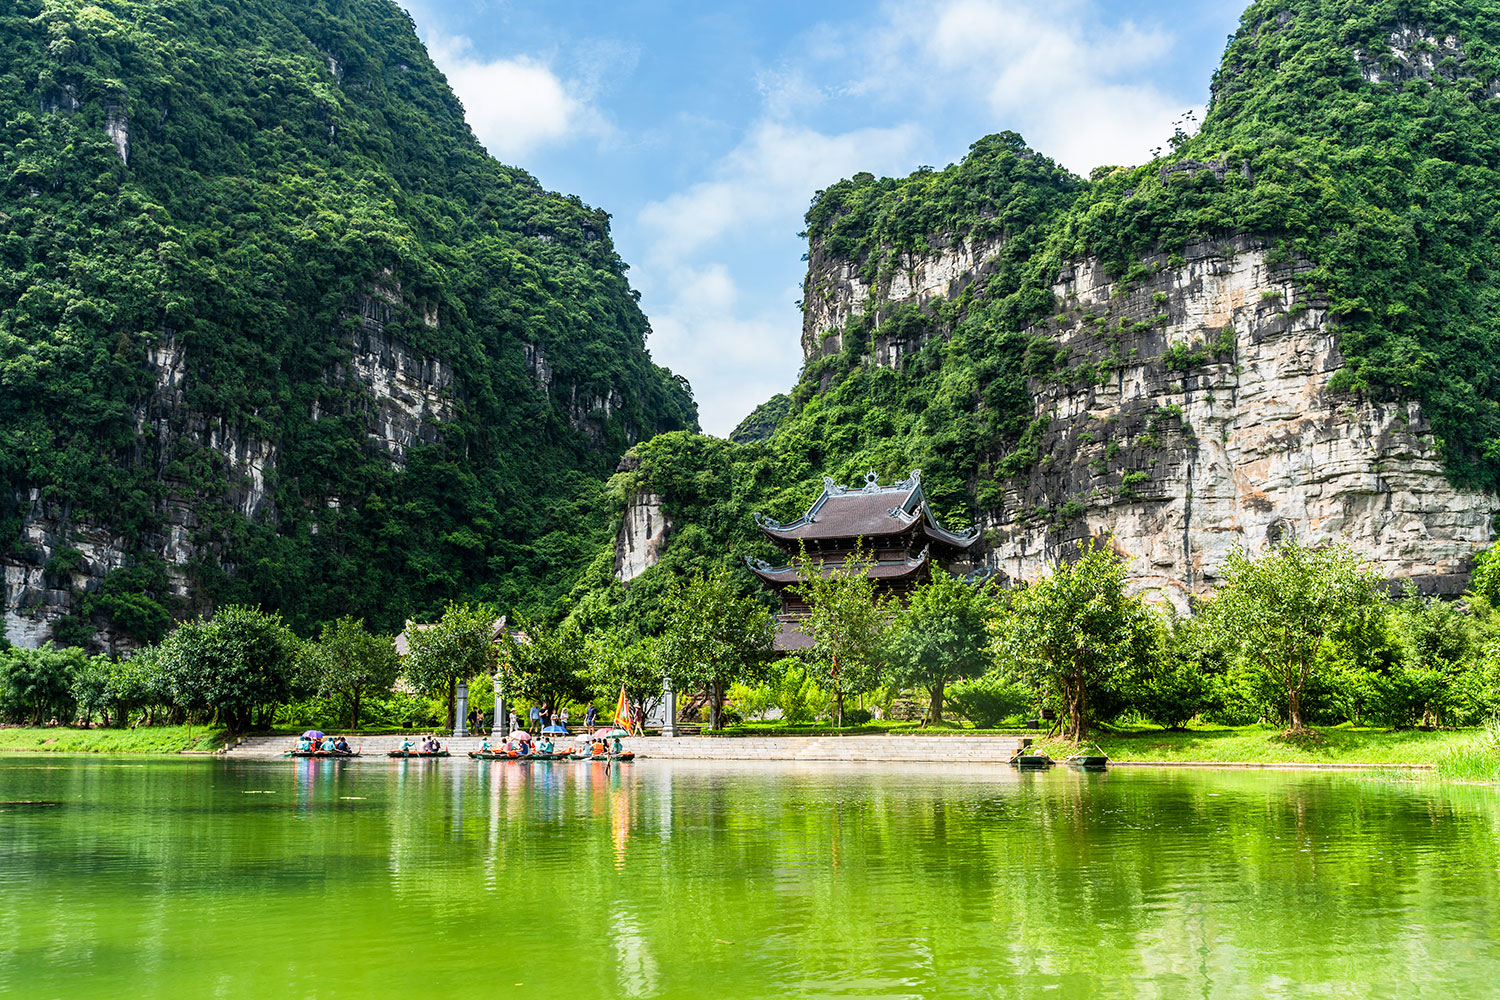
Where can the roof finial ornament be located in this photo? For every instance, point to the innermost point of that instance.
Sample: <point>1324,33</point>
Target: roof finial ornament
<point>872,481</point>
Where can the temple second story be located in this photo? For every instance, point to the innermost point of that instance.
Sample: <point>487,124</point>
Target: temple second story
<point>892,524</point>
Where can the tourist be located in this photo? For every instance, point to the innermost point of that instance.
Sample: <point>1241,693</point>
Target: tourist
<point>406,745</point>
<point>515,720</point>
<point>562,717</point>
<point>536,716</point>
<point>484,746</point>
<point>618,747</point>
<point>341,745</point>
<point>304,745</point>
<point>479,720</point>
<point>328,744</point>
<point>590,716</point>
<point>546,716</point>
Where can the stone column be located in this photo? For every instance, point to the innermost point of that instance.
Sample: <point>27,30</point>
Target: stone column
<point>461,710</point>
<point>668,707</point>
<point>502,714</point>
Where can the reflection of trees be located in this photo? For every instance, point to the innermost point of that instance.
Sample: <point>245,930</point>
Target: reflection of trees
<point>662,876</point>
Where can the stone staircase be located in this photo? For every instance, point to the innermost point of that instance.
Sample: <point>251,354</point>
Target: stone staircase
<point>966,749</point>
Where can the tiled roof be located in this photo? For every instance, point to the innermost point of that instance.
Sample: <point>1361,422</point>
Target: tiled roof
<point>868,511</point>
<point>892,569</point>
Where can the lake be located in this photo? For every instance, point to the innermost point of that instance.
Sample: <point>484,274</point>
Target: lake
<point>432,879</point>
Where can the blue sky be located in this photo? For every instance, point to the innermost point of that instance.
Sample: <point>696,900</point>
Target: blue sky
<point>705,128</point>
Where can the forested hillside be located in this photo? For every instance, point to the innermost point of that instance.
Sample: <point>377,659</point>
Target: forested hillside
<point>275,328</point>
<point>1345,175</point>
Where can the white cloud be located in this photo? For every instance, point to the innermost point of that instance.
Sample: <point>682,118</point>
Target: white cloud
<point>1076,86</point>
<point>513,105</point>
<point>768,180</point>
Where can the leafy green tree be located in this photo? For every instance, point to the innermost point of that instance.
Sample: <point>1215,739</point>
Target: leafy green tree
<point>942,635</point>
<point>714,637</point>
<point>550,667</point>
<point>615,664</point>
<point>1433,646</point>
<point>1178,679</point>
<point>237,662</point>
<point>92,689</point>
<point>140,681</point>
<point>1078,632</point>
<point>1276,612</point>
<point>350,663</point>
<point>459,646</point>
<point>845,619</point>
<point>36,684</point>
<point>990,699</point>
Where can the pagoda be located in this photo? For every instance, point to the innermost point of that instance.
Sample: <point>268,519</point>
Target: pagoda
<point>892,523</point>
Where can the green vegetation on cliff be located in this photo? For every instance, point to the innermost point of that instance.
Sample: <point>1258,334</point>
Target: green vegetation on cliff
<point>1363,138</point>
<point>253,188</point>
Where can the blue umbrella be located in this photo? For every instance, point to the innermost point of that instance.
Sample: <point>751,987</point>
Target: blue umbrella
<point>556,729</point>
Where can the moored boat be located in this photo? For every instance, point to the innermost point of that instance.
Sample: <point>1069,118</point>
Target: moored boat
<point>333,754</point>
<point>417,753</point>
<point>1032,761</point>
<point>1089,762</point>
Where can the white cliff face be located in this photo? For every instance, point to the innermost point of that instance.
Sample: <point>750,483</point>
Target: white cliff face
<point>407,398</point>
<point>834,292</point>
<point>117,127</point>
<point>642,535</point>
<point>1215,426</point>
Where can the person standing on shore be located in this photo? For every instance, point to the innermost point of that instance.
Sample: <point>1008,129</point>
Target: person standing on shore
<point>590,716</point>
<point>562,717</point>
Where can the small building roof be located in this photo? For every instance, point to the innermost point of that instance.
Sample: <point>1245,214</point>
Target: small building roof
<point>403,641</point>
<point>888,570</point>
<point>869,511</point>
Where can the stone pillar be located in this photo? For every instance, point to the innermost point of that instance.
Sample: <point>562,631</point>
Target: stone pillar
<point>502,714</point>
<point>668,707</point>
<point>461,710</point>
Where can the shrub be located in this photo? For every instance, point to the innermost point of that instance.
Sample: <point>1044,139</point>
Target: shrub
<point>987,701</point>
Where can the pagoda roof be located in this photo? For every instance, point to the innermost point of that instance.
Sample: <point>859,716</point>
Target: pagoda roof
<point>887,570</point>
<point>868,511</point>
<point>790,636</point>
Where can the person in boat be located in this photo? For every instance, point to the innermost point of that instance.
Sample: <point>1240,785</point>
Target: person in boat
<point>598,748</point>
<point>341,745</point>
<point>304,745</point>
<point>329,745</point>
<point>484,746</point>
<point>545,746</point>
<point>406,746</point>
<point>618,749</point>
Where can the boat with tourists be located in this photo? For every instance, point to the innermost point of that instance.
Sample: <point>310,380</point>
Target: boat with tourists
<point>315,743</point>
<point>429,747</point>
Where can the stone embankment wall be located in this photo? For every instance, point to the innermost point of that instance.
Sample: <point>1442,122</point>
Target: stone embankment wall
<point>970,749</point>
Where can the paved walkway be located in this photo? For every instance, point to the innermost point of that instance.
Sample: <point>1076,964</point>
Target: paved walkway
<point>971,749</point>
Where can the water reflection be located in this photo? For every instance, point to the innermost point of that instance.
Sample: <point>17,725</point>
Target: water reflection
<point>658,878</point>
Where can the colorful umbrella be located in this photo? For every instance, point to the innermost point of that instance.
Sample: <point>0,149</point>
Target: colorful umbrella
<point>611,734</point>
<point>313,734</point>
<point>556,729</point>
<point>521,735</point>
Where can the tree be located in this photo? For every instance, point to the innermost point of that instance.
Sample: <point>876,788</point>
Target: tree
<point>1078,632</point>
<point>348,662</point>
<point>36,684</point>
<point>714,637</point>
<point>237,661</point>
<point>1277,611</point>
<point>845,619</point>
<point>941,635</point>
<point>91,688</point>
<point>615,664</point>
<point>460,645</point>
<point>549,667</point>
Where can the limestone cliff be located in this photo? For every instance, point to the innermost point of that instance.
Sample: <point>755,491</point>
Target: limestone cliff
<point>1190,412</point>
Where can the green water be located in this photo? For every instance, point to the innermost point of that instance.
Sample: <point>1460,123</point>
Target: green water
<point>435,879</point>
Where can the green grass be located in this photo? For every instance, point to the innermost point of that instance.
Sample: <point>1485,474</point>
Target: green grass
<point>1477,758</point>
<point>1269,745</point>
<point>868,729</point>
<point>151,739</point>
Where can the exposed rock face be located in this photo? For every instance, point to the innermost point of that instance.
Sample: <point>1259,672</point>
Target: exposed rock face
<point>642,536</point>
<point>834,292</point>
<point>407,397</point>
<point>117,127</point>
<point>1194,413</point>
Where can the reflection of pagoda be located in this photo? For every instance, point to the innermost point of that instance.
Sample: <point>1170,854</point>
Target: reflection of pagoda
<point>895,525</point>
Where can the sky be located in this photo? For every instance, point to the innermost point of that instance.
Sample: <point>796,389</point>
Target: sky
<point>705,128</point>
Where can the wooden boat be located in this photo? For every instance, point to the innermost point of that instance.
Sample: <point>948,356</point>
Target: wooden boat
<point>416,753</point>
<point>477,755</point>
<point>1089,762</point>
<point>626,755</point>
<point>1032,761</point>
<point>322,753</point>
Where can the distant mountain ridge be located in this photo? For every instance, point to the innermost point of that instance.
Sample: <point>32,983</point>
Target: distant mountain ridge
<point>274,328</point>
<point>1286,325</point>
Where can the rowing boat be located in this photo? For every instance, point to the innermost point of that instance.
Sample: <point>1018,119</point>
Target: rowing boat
<point>479,755</point>
<point>416,753</point>
<point>320,753</point>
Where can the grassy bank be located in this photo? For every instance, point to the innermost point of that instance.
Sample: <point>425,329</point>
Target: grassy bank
<point>1475,759</point>
<point>151,739</point>
<point>1269,745</point>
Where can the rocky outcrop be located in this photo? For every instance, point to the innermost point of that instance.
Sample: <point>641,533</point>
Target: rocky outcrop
<point>1197,411</point>
<point>836,291</point>
<point>405,397</point>
<point>642,535</point>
